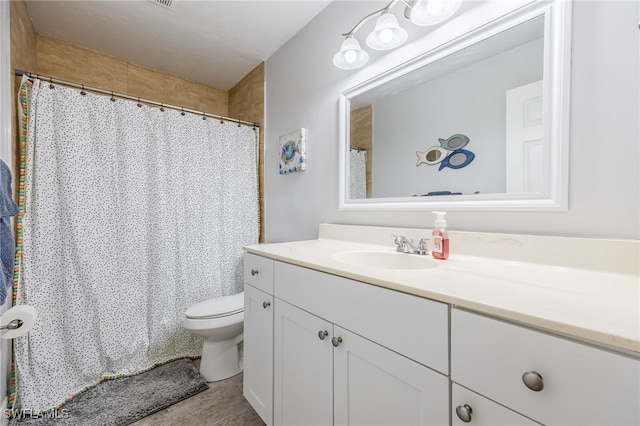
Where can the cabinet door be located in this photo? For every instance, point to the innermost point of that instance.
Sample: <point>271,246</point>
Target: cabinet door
<point>303,379</point>
<point>375,386</point>
<point>470,408</point>
<point>258,352</point>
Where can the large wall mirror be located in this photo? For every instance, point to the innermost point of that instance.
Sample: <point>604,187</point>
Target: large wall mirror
<point>477,123</point>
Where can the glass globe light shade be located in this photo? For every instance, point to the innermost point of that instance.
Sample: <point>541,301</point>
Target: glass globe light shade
<point>351,55</point>
<point>432,12</point>
<point>387,33</point>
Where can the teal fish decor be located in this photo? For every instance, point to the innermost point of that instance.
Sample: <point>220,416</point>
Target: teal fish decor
<point>455,142</point>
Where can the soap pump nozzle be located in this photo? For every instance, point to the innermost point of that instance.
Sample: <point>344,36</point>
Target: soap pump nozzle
<point>440,220</point>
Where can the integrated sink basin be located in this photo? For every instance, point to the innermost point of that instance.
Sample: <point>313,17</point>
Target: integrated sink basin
<point>385,260</point>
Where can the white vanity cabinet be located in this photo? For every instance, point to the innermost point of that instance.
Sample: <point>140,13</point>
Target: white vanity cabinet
<point>567,383</point>
<point>351,353</point>
<point>258,335</point>
<point>323,349</point>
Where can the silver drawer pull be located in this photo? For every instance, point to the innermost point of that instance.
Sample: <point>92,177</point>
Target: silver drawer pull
<point>464,412</point>
<point>254,272</point>
<point>322,334</point>
<point>336,341</point>
<point>266,304</point>
<point>533,381</point>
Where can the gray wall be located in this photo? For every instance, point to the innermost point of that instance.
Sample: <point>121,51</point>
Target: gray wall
<point>302,91</point>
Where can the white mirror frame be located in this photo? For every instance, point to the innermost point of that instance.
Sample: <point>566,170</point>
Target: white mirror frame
<point>556,109</point>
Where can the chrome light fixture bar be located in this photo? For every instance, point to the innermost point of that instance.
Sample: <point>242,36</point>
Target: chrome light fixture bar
<point>387,33</point>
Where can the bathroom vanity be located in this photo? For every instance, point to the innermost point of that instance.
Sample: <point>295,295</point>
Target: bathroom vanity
<point>344,330</point>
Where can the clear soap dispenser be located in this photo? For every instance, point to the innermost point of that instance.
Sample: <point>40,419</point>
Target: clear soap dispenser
<point>440,237</point>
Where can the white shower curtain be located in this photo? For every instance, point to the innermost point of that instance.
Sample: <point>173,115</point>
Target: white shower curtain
<point>357,174</point>
<point>132,214</point>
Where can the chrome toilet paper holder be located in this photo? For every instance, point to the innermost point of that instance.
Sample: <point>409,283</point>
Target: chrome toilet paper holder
<point>12,325</point>
<point>17,321</point>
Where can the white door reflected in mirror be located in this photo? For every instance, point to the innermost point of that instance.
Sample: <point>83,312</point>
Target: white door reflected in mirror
<point>525,150</point>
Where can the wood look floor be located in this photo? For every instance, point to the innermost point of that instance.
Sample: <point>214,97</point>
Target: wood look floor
<point>222,404</point>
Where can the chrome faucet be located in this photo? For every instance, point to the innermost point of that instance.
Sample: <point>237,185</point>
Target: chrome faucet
<point>405,245</point>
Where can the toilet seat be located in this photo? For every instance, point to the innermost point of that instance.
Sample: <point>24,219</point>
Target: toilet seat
<point>218,307</point>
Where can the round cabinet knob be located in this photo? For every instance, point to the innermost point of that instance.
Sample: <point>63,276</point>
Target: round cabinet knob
<point>266,304</point>
<point>254,272</point>
<point>336,341</point>
<point>322,334</point>
<point>464,412</point>
<point>533,381</point>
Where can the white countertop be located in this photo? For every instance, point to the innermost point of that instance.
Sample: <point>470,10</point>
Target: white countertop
<point>602,307</point>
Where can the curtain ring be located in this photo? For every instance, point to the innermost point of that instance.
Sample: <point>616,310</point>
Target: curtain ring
<point>203,116</point>
<point>51,86</point>
<point>112,98</point>
<point>162,107</point>
<point>82,92</point>
<point>139,104</point>
<point>182,113</point>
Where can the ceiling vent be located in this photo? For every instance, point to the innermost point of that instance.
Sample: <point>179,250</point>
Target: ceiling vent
<point>169,4</point>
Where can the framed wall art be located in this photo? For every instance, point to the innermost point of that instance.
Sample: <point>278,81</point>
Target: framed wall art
<point>292,152</point>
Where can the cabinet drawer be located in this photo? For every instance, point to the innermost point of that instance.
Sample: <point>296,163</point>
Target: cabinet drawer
<point>482,411</point>
<point>410,325</point>
<point>258,272</point>
<point>581,384</point>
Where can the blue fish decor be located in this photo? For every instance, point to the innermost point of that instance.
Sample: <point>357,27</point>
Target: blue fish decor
<point>449,154</point>
<point>289,150</point>
<point>457,159</point>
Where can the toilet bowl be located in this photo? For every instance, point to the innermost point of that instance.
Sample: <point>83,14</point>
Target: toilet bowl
<point>221,322</point>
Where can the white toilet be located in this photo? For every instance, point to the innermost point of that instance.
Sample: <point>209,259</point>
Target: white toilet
<point>221,322</point>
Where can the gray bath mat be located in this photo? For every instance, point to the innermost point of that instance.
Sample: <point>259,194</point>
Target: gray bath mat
<point>123,401</point>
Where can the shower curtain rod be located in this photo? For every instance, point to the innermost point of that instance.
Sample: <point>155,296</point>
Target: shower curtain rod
<point>20,73</point>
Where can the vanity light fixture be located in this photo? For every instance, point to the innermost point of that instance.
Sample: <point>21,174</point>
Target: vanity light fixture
<point>388,34</point>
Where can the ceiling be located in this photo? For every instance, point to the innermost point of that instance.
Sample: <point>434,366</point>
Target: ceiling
<point>214,42</point>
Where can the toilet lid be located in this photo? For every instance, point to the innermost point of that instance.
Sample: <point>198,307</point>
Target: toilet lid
<point>217,307</point>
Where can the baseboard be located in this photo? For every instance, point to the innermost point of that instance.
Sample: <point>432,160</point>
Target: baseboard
<point>3,419</point>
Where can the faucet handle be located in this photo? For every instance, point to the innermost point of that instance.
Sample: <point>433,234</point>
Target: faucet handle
<point>403,243</point>
<point>423,245</point>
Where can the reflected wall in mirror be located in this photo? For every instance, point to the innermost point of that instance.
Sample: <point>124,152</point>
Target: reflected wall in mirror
<point>504,86</point>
